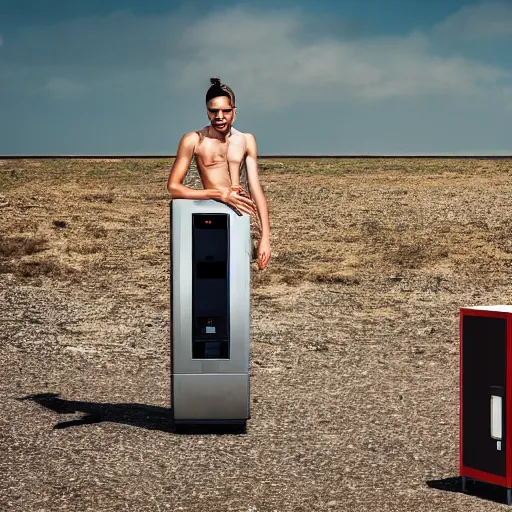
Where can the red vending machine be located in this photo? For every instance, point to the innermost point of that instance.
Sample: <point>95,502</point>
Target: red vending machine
<point>485,395</point>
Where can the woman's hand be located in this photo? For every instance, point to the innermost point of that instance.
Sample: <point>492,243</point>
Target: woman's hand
<point>263,253</point>
<point>238,203</point>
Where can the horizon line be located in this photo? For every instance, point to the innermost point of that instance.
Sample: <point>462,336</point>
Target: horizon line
<point>262,157</point>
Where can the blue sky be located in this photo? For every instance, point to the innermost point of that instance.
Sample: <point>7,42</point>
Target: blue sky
<point>346,77</point>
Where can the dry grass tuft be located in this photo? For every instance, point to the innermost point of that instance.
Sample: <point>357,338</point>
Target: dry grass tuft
<point>334,278</point>
<point>15,247</point>
<point>5,268</point>
<point>36,269</point>
<point>85,247</point>
<point>411,256</point>
<point>100,198</point>
<point>46,268</point>
<point>96,231</point>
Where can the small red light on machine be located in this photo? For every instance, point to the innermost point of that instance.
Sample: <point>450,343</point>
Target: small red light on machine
<point>207,221</point>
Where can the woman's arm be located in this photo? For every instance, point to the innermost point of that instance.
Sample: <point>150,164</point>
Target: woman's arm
<point>259,198</point>
<point>180,168</point>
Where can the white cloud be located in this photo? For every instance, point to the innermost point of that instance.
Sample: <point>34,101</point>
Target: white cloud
<point>271,58</point>
<point>488,20</point>
<point>380,94</point>
<point>64,88</point>
<point>262,53</point>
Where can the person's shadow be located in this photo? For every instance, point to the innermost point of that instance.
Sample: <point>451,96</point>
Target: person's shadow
<point>138,415</point>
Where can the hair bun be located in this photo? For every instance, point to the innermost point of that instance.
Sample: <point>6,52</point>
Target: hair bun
<point>215,81</point>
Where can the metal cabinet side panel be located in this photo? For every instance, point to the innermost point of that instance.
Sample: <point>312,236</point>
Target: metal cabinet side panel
<point>181,283</point>
<point>240,278</point>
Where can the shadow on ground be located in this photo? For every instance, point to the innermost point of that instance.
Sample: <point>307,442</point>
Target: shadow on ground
<point>138,415</point>
<point>474,488</point>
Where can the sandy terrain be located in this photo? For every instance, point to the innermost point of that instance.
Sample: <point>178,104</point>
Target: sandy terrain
<point>354,365</point>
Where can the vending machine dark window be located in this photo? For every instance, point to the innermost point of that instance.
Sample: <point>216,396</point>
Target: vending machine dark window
<point>210,286</point>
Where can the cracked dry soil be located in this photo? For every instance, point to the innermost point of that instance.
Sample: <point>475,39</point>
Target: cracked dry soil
<point>354,348</point>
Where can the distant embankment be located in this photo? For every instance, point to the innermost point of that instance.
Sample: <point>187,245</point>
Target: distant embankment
<point>267,157</point>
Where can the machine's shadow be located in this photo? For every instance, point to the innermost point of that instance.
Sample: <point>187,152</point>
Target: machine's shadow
<point>138,415</point>
<point>474,488</point>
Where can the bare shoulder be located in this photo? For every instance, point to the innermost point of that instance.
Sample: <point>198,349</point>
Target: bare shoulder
<point>189,142</point>
<point>191,137</point>
<point>250,144</point>
<point>250,141</point>
<point>249,137</point>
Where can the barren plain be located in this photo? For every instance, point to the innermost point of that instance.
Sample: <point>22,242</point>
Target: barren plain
<point>354,348</point>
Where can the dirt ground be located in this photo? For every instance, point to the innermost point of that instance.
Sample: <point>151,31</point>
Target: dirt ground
<point>354,355</point>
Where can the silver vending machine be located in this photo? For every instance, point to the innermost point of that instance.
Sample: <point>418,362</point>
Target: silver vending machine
<point>210,313</point>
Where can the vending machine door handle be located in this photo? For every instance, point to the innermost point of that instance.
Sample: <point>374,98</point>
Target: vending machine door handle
<point>496,417</point>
